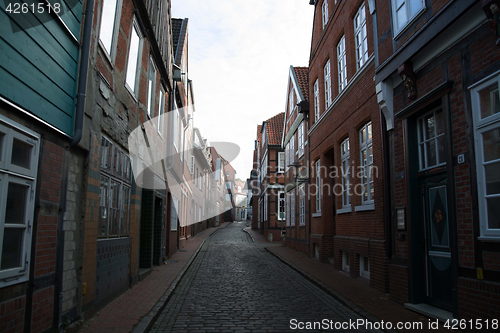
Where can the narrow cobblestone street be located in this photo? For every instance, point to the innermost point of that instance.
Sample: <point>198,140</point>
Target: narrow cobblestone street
<point>224,291</point>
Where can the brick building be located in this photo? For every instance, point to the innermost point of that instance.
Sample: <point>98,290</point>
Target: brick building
<point>437,66</point>
<point>294,163</point>
<point>271,200</point>
<point>254,181</point>
<point>345,143</point>
<point>42,101</point>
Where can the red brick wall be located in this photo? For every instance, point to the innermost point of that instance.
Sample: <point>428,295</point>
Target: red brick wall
<point>12,315</point>
<point>478,299</point>
<point>43,305</point>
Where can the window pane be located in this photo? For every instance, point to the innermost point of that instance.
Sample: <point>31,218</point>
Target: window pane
<point>429,126</point>
<point>492,175</point>
<point>12,248</point>
<point>439,122</point>
<point>491,144</point>
<point>107,24</point>
<point>441,149</point>
<point>489,101</point>
<point>415,5</point>
<point>16,204</point>
<point>21,154</point>
<point>114,209</point>
<point>103,208</point>
<point>431,153</point>
<point>132,58</point>
<point>493,212</point>
<point>401,15</point>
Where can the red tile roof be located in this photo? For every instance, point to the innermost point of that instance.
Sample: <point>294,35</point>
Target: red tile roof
<point>275,128</point>
<point>302,74</point>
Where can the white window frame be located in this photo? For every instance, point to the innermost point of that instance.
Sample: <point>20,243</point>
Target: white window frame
<point>175,128</point>
<point>292,149</point>
<point>132,76</point>
<point>423,140</point>
<point>300,137</point>
<point>328,84</point>
<point>292,208</point>
<point>151,88</point>
<point>342,64</point>
<point>161,112</point>
<point>291,106</point>
<point>318,186</point>
<point>324,13</point>
<point>281,162</point>
<point>281,205</point>
<point>316,101</point>
<point>174,213</point>
<point>481,126</point>
<point>345,170</point>
<point>12,173</point>
<point>288,204</point>
<point>109,27</point>
<point>302,205</point>
<point>399,27</point>
<point>265,206</point>
<point>365,144</point>
<point>360,37</point>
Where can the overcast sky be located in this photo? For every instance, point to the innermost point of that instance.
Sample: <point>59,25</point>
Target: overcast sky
<point>240,53</point>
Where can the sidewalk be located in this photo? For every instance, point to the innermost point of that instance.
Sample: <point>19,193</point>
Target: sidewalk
<point>134,310</point>
<point>356,294</point>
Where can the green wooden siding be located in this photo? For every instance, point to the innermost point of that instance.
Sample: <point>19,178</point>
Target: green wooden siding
<point>39,65</point>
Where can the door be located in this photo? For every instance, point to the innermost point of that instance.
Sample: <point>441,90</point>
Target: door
<point>436,224</point>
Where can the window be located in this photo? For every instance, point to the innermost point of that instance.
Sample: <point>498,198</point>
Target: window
<point>174,213</point>
<point>360,37</point>
<point>346,186</point>
<point>404,11</point>
<point>281,205</point>
<point>134,59</point>
<point>264,136</point>
<point>302,205</point>
<point>316,100</point>
<point>324,13</point>
<point>431,139</point>
<point>114,191</point>
<point>318,186</point>
<point>19,149</point>
<point>486,115</point>
<point>191,166</point>
<point>288,220</point>
<point>281,162</point>
<point>292,149</point>
<point>151,87</point>
<point>288,155</point>
<point>175,129</point>
<point>291,105</point>
<point>108,30</point>
<point>345,261</point>
<point>300,136</point>
<point>342,64</point>
<point>328,85</point>
<point>161,111</point>
<point>364,267</point>
<point>265,207</point>
<point>292,208</point>
<point>366,150</point>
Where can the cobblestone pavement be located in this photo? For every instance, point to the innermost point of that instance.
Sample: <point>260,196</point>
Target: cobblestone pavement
<point>234,285</point>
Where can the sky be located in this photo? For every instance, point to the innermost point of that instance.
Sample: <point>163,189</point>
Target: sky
<point>239,55</point>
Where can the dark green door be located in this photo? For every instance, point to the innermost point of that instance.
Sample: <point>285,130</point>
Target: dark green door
<point>438,258</point>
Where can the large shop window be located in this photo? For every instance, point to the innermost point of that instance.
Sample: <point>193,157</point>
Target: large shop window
<point>19,149</point>
<point>114,195</point>
<point>486,113</point>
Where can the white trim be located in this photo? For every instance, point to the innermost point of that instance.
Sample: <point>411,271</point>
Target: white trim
<point>363,208</point>
<point>344,210</point>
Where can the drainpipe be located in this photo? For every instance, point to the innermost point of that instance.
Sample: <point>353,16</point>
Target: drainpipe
<point>77,136</point>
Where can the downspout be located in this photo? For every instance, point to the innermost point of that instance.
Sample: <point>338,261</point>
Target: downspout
<point>77,136</point>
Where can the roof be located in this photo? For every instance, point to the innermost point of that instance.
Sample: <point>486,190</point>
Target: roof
<point>302,74</point>
<point>179,36</point>
<point>259,133</point>
<point>274,128</point>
